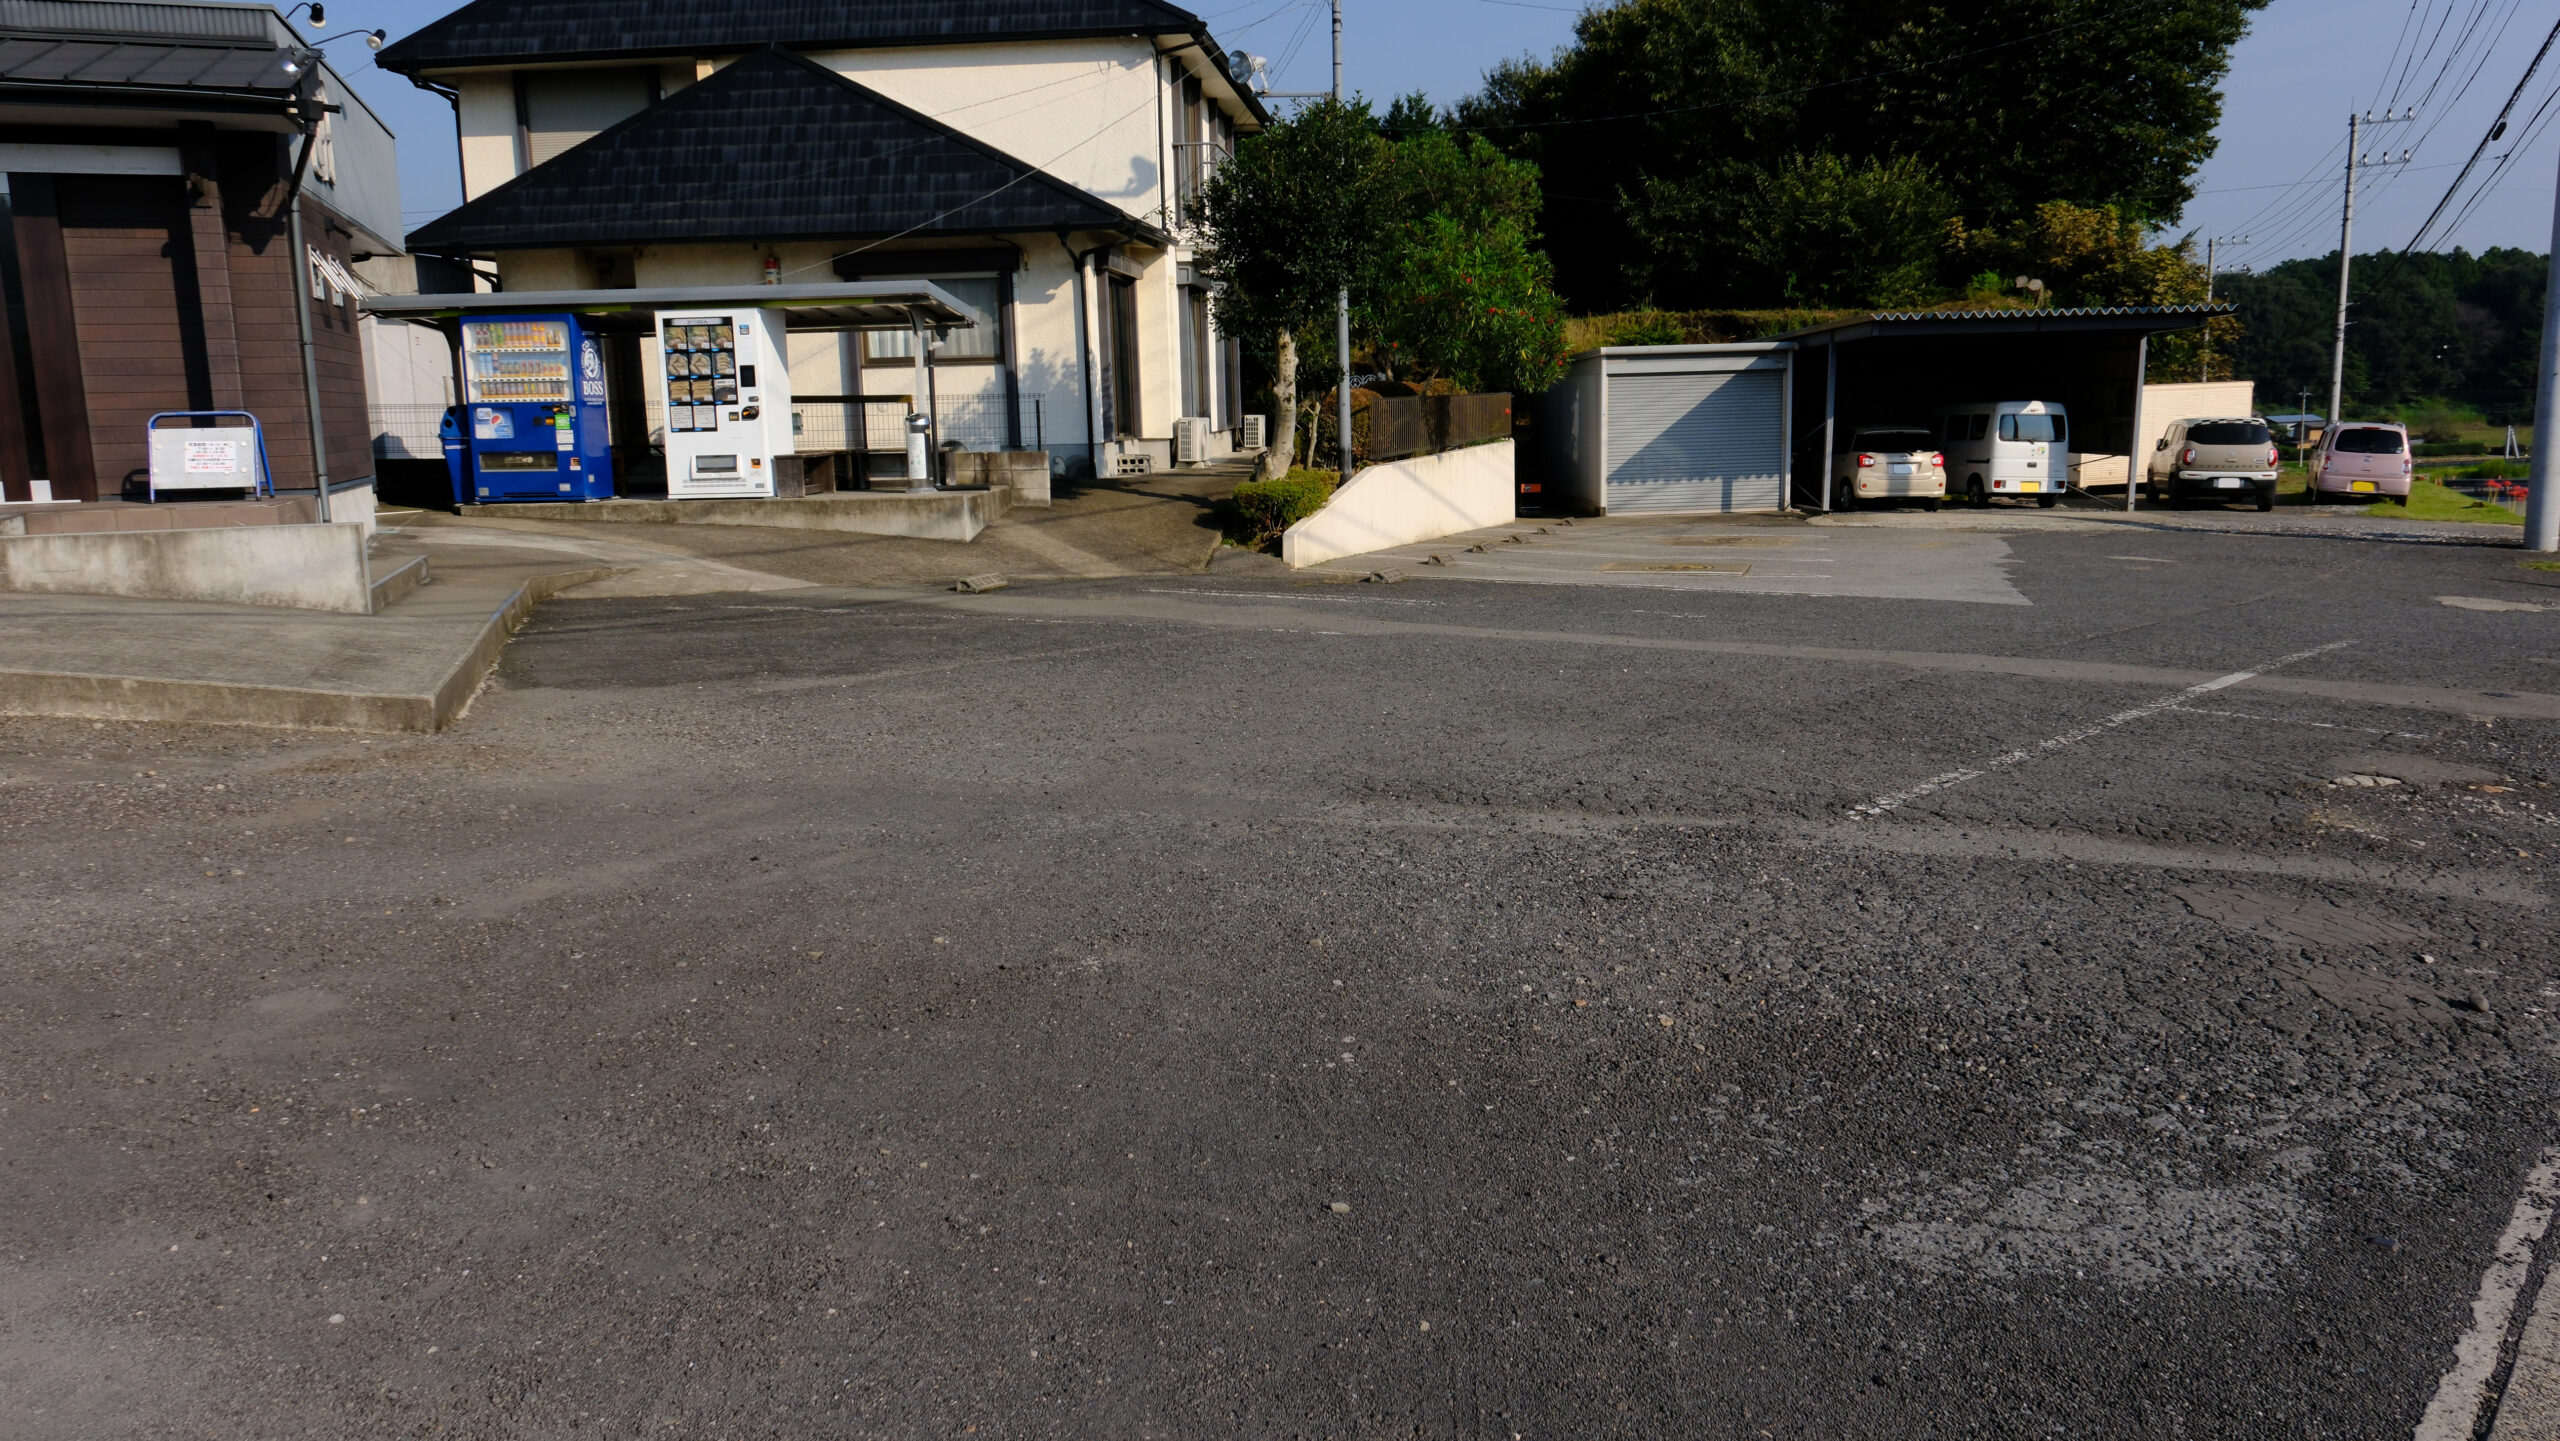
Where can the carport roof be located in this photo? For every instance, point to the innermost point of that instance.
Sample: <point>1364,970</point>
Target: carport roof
<point>2084,320</point>
<point>634,312</point>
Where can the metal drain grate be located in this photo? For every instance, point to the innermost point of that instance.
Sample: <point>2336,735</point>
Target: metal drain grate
<point>1693,566</point>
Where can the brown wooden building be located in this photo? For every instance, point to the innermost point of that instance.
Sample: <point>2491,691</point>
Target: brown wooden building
<point>152,154</point>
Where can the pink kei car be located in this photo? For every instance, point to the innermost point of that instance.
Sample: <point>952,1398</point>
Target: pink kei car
<point>2361,458</point>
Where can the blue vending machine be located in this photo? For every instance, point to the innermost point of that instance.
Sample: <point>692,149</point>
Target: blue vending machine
<point>533,414</point>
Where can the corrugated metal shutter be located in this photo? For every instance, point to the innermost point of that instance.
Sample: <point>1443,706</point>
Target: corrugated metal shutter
<point>565,108</point>
<point>1696,443</point>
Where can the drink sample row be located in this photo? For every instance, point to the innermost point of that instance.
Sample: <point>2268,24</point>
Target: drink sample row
<point>516,335</point>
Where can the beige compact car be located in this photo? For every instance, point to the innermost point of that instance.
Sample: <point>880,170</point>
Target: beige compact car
<point>2219,458</point>
<point>1888,462</point>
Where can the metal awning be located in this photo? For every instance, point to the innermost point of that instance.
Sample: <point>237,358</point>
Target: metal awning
<point>2125,320</point>
<point>896,305</point>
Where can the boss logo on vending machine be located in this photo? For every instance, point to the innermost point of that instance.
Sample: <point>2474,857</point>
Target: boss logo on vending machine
<point>590,373</point>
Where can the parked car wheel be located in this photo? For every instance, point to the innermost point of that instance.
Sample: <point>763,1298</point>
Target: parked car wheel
<point>2266,500</point>
<point>2047,502</point>
<point>1844,496</point>
<point>1930,505</point>
<point>1974,494</point>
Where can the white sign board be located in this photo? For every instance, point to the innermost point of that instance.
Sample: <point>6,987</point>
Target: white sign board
<point>207,459</point>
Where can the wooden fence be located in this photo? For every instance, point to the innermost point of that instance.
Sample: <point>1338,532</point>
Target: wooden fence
<point>1403,425</point>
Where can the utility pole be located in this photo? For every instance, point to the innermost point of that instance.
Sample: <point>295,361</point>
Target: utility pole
<point>2542,501</point>
<point>1342,297</point>
<point>1342,301</point>
<point>2346,243</point>
<point>2204,361</point>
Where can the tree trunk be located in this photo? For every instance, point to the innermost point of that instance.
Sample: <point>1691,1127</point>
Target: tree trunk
<point>1283,447</point>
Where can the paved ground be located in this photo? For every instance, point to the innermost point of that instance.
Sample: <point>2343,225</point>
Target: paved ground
<point>1270,1004</point>
<point>1129,525</point>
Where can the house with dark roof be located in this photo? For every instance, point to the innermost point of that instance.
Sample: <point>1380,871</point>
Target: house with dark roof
<point>183,186</point>
<point>1038,159</point>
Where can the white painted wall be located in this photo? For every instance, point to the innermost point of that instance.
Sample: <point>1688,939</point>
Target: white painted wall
<point>1404,501</point>
<point>485,111</point>
<point>1090,112</point>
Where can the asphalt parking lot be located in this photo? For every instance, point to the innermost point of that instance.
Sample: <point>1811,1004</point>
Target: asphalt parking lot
<point>2108,995</point>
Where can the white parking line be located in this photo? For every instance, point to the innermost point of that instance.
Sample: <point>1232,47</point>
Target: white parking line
<point>2454,1413</point>
<point>2529,1404</point>
<point>1886,804</point>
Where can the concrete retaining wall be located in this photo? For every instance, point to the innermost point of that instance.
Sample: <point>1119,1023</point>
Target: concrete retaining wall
<point>924,515</point>
<point>1025,471</point>
<point>302,567</point>
<point>1408,500</point>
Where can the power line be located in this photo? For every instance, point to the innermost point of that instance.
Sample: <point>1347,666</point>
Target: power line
<point>2496,128</point>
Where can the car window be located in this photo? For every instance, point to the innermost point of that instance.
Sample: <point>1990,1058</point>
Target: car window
<point>1979,426</point>
<point>2369,440</point>
<point>2228,432</point>
<point>1893,440</point>
<point>2031,427</point>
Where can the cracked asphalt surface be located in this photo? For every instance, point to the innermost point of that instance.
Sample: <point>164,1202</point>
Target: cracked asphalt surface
<point>1238,1005</point>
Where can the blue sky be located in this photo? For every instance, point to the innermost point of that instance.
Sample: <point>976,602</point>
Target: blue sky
<point>2304,67</point>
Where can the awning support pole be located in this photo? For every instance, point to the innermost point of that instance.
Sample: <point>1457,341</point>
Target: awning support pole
<point>2136,458</point>
<point>1830,414</point>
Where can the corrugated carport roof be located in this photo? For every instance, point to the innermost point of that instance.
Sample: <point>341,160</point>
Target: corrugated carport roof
<point>2080,320</point>
<point>803,307</point>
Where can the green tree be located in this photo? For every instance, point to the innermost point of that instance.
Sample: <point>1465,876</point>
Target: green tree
<point>1672,124</point>
<point>1285,225</point>
<point>1457,288</point>
<point>2459,327</point>
<point>1471,306</point>
<point>1825,231</point>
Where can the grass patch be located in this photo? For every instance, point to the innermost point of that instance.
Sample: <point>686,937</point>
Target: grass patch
<point>2427,501</point>
<point>1260,509</point>
<point>2540,564</point>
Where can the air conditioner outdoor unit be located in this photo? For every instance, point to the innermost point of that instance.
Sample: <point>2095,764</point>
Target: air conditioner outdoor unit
<point>1190,440</point>
<point>1249,435</point>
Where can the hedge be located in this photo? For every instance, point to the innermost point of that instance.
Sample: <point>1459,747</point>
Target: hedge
<point>1268,507</point>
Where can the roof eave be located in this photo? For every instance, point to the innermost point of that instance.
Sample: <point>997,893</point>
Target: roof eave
<point>423,240</point>
<point>390,59</point>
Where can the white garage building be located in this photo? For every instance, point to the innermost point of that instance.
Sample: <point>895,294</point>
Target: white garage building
<point>1671,429</point>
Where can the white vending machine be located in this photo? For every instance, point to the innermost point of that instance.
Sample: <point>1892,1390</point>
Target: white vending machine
<point>725,386</point>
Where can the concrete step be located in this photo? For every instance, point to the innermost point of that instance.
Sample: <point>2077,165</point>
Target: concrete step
<point>394,577</point>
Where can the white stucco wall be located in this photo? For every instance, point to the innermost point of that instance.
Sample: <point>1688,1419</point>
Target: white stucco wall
<point>1404,501</point>
<point>1090,112</point>
<point>485,112</point>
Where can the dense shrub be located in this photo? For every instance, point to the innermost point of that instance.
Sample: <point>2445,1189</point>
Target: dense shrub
<point>1264,508</point>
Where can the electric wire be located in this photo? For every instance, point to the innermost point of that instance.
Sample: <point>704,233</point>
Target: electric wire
<point>2487,137</point>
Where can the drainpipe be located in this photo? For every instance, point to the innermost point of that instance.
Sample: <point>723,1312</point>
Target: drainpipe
<point>1088,359</point>
<point>302,317</point>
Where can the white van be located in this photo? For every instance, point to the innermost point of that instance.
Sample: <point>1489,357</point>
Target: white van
<point>2007,448</point>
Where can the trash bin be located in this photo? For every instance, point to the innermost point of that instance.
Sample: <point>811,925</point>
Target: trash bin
<point>919,457</point>
<point>457,454</point>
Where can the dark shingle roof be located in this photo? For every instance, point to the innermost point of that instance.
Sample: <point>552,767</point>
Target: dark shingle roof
<point>505,32</point>
<point>775,147</point>
<point>150,64</point>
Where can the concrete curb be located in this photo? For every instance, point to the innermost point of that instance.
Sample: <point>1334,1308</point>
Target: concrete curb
<point>82,696</point>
